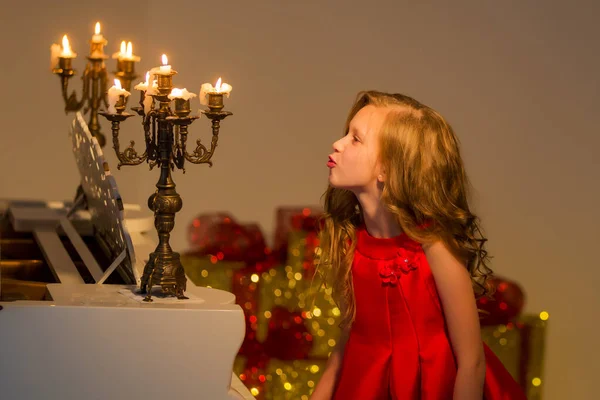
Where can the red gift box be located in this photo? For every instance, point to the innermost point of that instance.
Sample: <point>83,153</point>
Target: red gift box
<point>220,235</point>
<point>506,302</point>
<point>289,219</point>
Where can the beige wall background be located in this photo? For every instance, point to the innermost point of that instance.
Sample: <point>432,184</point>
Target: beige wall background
<point>517,80</point>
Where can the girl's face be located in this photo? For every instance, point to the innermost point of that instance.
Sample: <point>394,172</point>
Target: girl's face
<point>354,164</point>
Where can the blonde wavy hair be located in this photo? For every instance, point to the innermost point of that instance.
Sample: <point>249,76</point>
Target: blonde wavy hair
<point>425,188</point>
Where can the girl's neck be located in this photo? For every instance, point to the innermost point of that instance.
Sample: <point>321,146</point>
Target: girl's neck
<point>379,222</point>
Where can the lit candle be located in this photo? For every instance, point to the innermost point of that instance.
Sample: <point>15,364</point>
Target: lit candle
<point>210,94</point>
<point>143,86</point>
<point>122,52</point>
<point>61,54</point>
<point>164,69</point>
<point>126,53</point>
<point>150,90</point>
<point>97,43</point>
<point>164,75</point>
<point>66,49</point>
<point>145,94</point>
<point>97,37</point>
<point>223,88</point>
<point>116,93</point>
<point>181,94</point>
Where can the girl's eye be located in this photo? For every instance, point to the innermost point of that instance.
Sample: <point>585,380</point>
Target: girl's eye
<point>355,139</point>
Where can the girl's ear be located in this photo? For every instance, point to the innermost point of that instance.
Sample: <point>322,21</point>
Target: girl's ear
<point>381,173</point>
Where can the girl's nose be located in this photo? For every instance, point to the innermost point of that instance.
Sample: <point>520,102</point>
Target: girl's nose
<point>337,145</point>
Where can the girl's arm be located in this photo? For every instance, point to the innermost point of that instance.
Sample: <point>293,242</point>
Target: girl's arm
<point>326,385</point>
<point>455,289</point>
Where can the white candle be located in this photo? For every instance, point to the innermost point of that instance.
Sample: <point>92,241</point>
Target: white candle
<point>143,85</point>
<point>66,49</point>
<point>122,51</point>
<point>223,88</point>
<point>57,52</point>
<point>113,96</point>
<point>219,88</point>
<point>181,94</point>
<point>98,42</point>
<point>97,37</point>
<point>164,69</point>
<point>126,53</point>
<point>150,90</point>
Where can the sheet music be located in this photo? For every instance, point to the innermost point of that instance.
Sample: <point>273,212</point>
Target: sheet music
<point>103,199</point>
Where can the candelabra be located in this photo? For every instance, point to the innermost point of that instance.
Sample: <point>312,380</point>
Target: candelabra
<point>165,132</point>
<point>94,78</point>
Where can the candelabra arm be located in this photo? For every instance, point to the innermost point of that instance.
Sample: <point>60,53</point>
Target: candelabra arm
<point>201,155</point>
<point>71,102</point>
<point>94,81</point>
<point>130,155</point>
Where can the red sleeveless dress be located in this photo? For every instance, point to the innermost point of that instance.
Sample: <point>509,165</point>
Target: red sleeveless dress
<point>399,346</point>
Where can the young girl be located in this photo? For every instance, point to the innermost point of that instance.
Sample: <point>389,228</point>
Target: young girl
<point>405,257</point>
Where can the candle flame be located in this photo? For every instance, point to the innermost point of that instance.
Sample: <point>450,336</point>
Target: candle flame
<point>165,60</point>
<point>129,49</point>
<point>123,47</point>
<point>118,84</point>
<point>218,85</point>
<point>97,29</point>
<point>147,76</point>
<point>65,45</point>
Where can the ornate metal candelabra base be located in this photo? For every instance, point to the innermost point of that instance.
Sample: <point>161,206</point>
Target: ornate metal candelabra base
<point>164,269</point>
<point>164,266</point>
